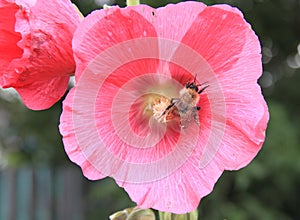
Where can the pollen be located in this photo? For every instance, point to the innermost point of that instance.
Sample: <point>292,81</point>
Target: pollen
<point>159,106</point>
<point>157,99</point>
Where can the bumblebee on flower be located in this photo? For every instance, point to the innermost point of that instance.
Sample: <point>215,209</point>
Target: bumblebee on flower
<point>181,109</point>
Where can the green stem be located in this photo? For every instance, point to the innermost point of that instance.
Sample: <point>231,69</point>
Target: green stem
<point>170,216</point>
<point>132,2</point>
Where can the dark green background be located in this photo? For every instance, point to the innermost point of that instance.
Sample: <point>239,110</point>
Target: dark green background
<point>267,189</point>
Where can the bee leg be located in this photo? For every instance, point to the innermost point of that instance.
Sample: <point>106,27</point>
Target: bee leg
<point>201,90</point>
<point>196,119</point>
<point>173,102</point>
<point>169,106</point>
<point>195,114</point>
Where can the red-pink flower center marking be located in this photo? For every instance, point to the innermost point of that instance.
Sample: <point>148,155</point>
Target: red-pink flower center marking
<point>91,135</point>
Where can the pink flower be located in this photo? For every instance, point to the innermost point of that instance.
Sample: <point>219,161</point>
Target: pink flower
<point>35,48</point>
<point>130,63</point>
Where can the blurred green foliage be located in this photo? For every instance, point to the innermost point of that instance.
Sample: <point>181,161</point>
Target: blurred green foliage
<point>267,189</point>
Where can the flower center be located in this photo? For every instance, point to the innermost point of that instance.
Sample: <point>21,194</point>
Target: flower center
<point>158,100</point>
<point>159,108</point>
<point>155,106</point>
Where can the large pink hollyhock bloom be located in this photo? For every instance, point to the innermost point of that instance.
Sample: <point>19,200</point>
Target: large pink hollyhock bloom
<point>130,63</point>
<point>36,55</point>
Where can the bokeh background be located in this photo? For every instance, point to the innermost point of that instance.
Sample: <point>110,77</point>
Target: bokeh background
<point>38,182</point>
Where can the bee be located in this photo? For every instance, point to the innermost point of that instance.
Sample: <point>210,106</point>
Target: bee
<point>185,107</point>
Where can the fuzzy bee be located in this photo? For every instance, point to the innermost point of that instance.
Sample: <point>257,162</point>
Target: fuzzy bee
<point>185,107</point>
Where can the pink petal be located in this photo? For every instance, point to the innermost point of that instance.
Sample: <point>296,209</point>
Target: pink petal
<point>174,16</point>
<point>247,122</point>
<point>218,36</point>
<point>180,192</point>
<point>8,38</point>
<point>43,94</point>
<point>103,29</point>
<point>47,29</point>
<point>69,139</point>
